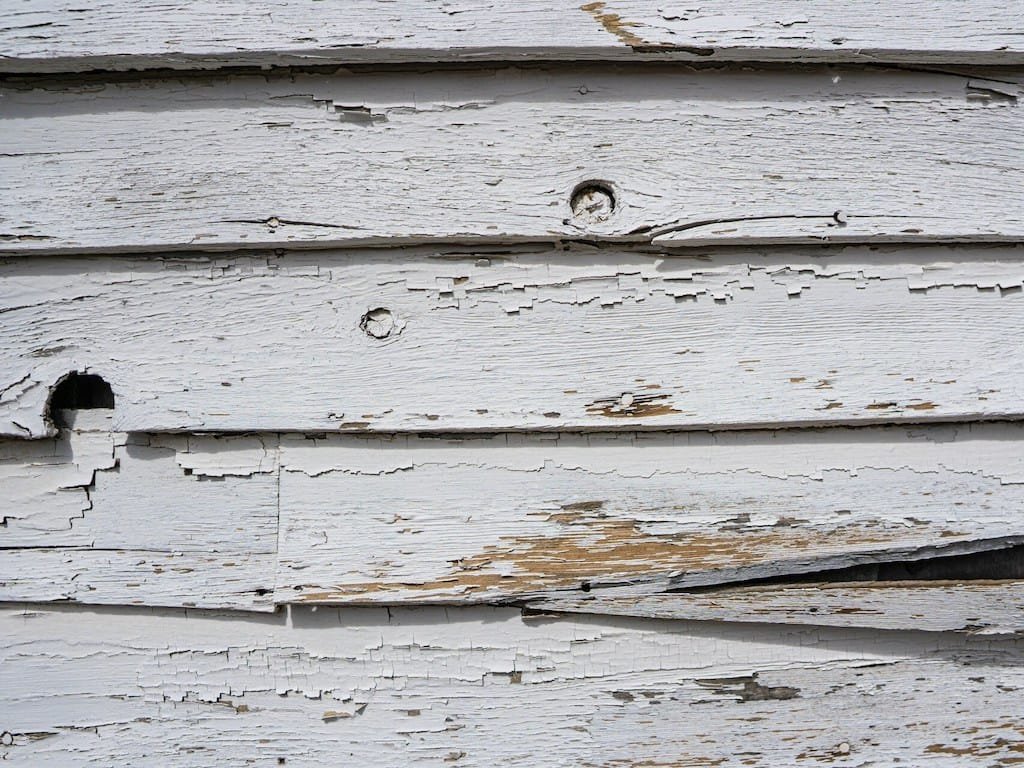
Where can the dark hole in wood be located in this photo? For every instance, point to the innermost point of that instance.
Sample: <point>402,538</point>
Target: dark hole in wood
<point>997,564</point>
<point>79,392</point>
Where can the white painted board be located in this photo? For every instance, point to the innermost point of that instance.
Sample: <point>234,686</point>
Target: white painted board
<point>566,521</point>
<point>483,340</point>
<point>483,687</point>
<point>99,517</point>
<point>59,35</point>
<point>993,607</point>
<point>691,157</point>
<point>578,517</point>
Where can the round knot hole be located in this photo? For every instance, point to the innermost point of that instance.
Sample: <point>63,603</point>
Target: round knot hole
<point>592,202</point>
<point>378,323</point>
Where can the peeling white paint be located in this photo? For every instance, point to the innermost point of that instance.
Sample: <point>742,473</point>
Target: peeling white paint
<point>580,267</point>
<point>101,517</point>
<point>50,35</point>
<point>518,339</point>
<point>250,521</point>
<point>651,511</point>
<point>394,158</point>
<point>484,687</point>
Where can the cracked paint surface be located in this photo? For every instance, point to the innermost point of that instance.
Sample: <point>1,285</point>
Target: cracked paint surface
<point>100,517</point>
<point>578,520</point>
<point>119,35</point>
<point>295,159</point>
<point>594,338</point>
<point>486,686</point>
<point>533,480</point>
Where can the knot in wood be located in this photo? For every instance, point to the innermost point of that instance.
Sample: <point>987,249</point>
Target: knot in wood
<point>592,203</point>
<point>378,323</point>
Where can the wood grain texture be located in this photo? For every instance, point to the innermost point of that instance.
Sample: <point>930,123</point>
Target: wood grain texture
<point>98,517</point>
<point>483,687</point>
<point>485,340</point>
<point>248,522</point>
<point>976,607</point>
<point>57,35</point>
<point>692,157</point>
<point>624,515</point>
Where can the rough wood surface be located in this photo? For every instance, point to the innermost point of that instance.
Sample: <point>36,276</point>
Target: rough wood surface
<point>484,687</point>
<point>580,266</point>
<point>982,607</point>
<point>449,339</point>
<point>624,515</point>
<point>58,35</point>
<point>97,517</point>
<point>690,157</point>
<point>205,520</point>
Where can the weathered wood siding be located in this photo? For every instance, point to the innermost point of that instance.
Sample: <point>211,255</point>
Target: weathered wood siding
<point>616,384</point>
<point>457,339</point>
<point>61,36</point>
<point>248,522</point>
<point>484,687</point>
<point>691,158</point>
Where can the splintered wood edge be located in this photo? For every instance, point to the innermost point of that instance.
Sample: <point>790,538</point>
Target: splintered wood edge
<point>973,607</point>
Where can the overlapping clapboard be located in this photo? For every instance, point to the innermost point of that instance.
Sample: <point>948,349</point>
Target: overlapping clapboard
<point>585,336</point>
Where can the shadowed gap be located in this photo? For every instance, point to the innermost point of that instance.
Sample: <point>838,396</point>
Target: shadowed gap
<point>998,564</point>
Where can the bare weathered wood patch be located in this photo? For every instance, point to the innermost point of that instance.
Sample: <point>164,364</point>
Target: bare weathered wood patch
<point>393,158</point>
<point>483,687</point>
<point>49,36</point>
<point>471,340</point>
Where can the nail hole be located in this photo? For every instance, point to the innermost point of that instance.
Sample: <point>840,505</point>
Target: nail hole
<point>592,202</point>
<point>378,323</point>
<point>79,392</point>
<point>585,586</point>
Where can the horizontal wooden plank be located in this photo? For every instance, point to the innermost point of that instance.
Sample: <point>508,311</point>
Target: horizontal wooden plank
<point>252,521</point>
<point>482,687</point>
<point>97,517</point>
<point>977,607</point>
<point>471,339</point>
<point>520,517</point>
<point>57,35</point>
<point>390,158</point>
